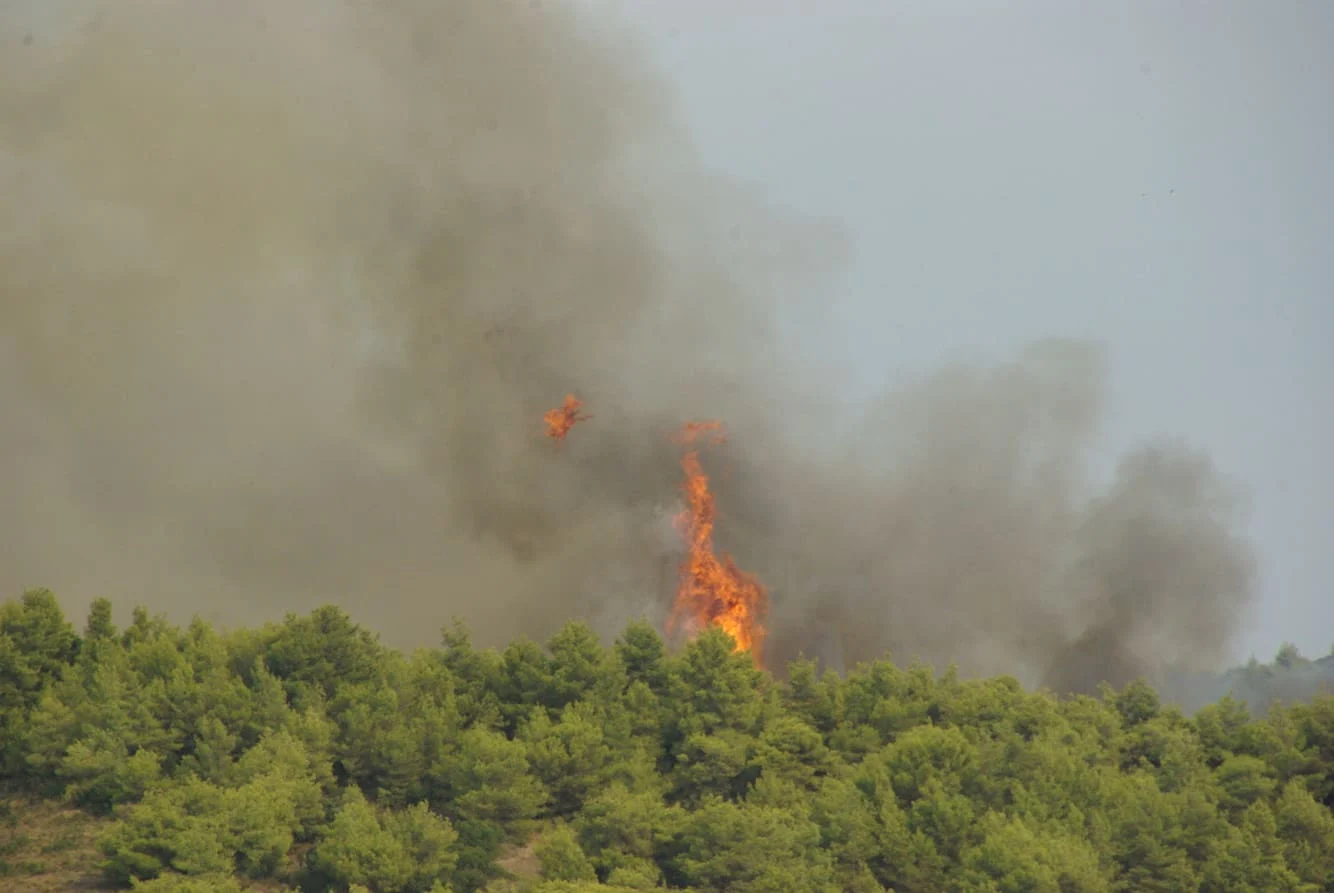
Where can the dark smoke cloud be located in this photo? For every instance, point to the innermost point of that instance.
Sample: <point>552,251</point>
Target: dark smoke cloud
<point>288,286</point>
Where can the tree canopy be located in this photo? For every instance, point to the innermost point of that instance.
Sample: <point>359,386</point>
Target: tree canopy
<point>307,755</point>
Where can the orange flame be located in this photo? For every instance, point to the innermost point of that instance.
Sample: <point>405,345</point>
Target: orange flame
<point>564,417</point>
<point>712,590</point>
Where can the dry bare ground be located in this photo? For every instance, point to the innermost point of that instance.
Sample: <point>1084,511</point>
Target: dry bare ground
<point>46,847</point>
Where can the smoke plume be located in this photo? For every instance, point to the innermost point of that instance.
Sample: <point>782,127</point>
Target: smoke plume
<point>287,288</point>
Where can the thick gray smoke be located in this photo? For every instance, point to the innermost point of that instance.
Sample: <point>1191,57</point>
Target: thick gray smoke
<point>286,288</point>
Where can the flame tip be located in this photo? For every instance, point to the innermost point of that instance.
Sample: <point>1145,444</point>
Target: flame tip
<point>560,420</point>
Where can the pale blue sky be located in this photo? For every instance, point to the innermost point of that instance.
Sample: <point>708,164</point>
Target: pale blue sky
<point>1157,175</point>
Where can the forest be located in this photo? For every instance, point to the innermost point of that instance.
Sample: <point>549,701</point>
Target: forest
<point>306,755</point>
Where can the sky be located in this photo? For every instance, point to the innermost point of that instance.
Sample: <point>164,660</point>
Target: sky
<point>1156,175</point>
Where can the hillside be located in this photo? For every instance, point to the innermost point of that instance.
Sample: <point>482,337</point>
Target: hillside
<point>306,755</point>
<point>1287,679</point>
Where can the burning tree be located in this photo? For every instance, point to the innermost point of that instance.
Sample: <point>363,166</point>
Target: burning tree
<point>713,591</point>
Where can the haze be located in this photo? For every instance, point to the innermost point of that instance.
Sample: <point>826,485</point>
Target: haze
<point>1007,316</point>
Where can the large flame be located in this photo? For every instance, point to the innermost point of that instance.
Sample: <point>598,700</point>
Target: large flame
<point>564,417</point>
<point>713,591</point>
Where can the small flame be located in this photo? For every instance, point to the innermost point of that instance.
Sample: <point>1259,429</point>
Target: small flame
<point>564,417</point>
<point>713,591</point>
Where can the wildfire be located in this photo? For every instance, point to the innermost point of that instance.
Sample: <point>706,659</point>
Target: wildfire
<point>564,417</point>
<point>713,591</point>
